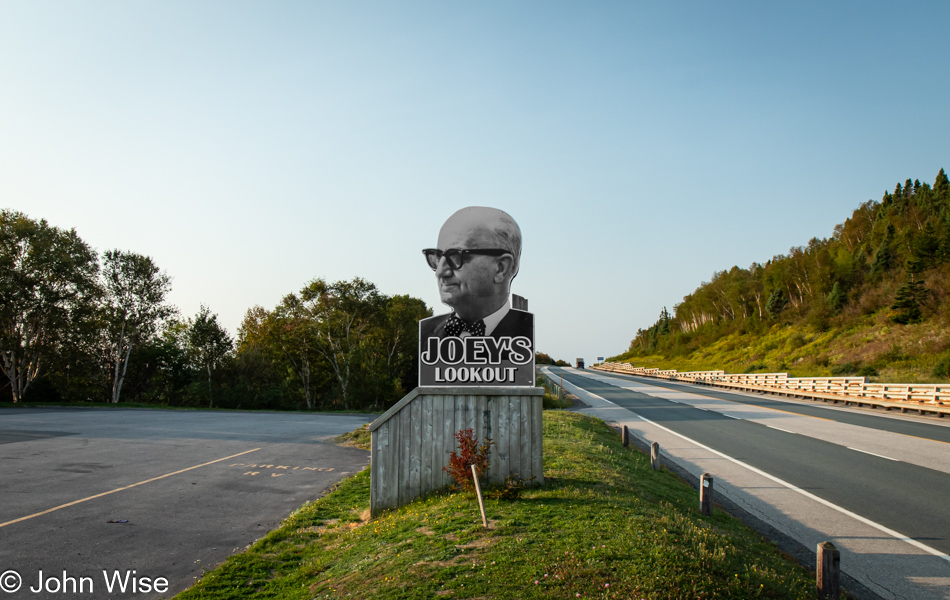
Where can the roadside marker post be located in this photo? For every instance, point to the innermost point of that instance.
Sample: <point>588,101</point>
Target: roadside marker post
<point>705,494</point>
<point>655,456</point>
<point>625,437</point>
<point>829,570</point>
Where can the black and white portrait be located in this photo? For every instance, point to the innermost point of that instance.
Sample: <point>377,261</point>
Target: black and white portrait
<point>483,341</point>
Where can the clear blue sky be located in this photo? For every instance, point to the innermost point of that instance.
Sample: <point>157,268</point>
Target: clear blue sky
<point>249,147</point>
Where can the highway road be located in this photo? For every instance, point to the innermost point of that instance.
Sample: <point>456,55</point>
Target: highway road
<point>876,485</point>
<point>156,494</point>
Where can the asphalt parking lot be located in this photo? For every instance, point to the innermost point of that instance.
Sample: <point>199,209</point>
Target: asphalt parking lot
<point>87,495</point>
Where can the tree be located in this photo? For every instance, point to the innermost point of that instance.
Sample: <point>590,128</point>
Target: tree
<point>925,249</point>
<point>172,370</point>
<point>836,298</point>
<point>942,186</point>
<point>48,290</point>
<point>542,358</point>
<point>907,301</point>
<point>342,340</point>
<point>345,313</point>
<point>399,336</point>
<point>776,303</point>
<point>884,257</point>
<point>292,327</point>
<point>209,342</point>
<point>134,308</point>
<point>258,361</point>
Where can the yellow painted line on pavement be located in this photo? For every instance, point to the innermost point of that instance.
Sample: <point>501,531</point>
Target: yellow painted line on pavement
<point>75,502</point>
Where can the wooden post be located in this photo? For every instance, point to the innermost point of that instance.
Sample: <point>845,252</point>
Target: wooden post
<point>829,569</point>
<point>705,494</point>
<point>478,492</point>
<point>655,456</point>
<point>625,437</point>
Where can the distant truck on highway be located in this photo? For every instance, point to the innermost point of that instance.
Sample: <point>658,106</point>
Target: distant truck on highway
<point>580,363</point>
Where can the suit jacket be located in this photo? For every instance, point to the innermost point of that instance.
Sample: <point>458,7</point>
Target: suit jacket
<point>515,323</point>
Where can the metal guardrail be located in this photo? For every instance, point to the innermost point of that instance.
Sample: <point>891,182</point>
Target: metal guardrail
<point>922,397</point>
<point>551,385</point>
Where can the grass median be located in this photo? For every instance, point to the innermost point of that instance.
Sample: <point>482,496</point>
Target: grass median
<point>604,525</point>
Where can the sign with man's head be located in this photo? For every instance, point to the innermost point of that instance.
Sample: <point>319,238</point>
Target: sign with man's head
<point>484,341</point>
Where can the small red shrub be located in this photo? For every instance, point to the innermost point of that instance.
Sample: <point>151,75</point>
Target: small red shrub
<point>469,453</point>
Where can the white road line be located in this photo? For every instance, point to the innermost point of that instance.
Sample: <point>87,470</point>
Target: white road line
<point>872,454</point>
<point>887,530</point>
<point>878,526</point>
<point>731,416</point>
<point>593,395</point>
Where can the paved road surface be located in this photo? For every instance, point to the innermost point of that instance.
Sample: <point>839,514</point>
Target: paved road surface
<point>863,481</point>
<point>193,486</point>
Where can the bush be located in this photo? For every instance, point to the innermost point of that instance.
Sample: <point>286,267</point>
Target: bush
<point>820,319</point>
<point>796,341</point>
<point>846,369</point>
<point>893,354</point>
<point>510,490</point>
<point>942,370</point>
<point>469,453</point>
<point>551,402</point>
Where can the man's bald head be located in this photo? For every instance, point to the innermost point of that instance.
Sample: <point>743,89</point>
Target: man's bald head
<point>481,285</point>
<point>483,227</point>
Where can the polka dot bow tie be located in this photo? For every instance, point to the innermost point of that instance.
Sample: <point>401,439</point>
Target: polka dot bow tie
<point>455,326</point>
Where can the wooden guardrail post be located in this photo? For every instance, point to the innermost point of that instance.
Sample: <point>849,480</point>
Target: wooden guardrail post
<point>829,570</point>
<point>625,437</point>
<point>655,456</point>
<point>705,494</point>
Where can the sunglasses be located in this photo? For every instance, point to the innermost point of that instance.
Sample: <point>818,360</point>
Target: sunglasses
<point>456,257</point>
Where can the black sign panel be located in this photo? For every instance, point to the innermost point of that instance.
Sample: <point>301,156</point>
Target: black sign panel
<point>505,357</point>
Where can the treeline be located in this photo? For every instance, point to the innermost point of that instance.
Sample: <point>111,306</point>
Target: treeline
<point>77,326</point>
<point>891,256</point>
<point>540,358</point>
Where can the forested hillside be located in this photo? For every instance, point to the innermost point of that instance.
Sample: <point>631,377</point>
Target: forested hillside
<point>872,299</point>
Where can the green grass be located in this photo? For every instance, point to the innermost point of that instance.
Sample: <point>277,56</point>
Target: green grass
<point>359,437</point>
<point>605,525</point>
<point>550,400</point>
